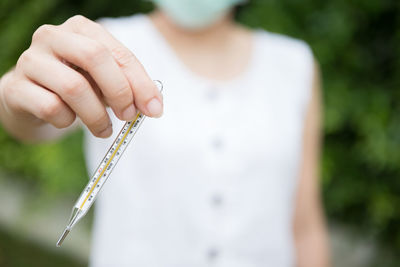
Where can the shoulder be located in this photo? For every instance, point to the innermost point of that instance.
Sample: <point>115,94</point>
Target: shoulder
<point>281,43</point>
<point>291,62</point>
<point>284,49</point>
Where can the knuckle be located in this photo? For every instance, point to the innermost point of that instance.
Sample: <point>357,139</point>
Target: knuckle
<point>78,20</point>
<point>25,58</point>
<point>100,122</point>
<point>95,53</point>
<point>123,56</point>
<point>66,122</point>
<point>8,91</point>
<point>74,87</point>
<point>42,32</point>
<point>9,96</point>
<point>145,90</point>
<point>79,23</point>
<point>50,109</point>
<point>122,94</point>
<point>11,105</point>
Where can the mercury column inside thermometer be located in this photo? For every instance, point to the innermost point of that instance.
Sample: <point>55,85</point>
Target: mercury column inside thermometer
<point>103,171</point>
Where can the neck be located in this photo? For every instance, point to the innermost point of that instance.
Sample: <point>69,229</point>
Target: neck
<point>215,34</point>
<point>219,52</point>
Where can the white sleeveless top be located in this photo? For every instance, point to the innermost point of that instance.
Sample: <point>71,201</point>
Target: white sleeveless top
<point>212,182</point>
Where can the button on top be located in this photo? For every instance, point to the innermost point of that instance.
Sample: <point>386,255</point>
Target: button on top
<point>217,143</point>
<point>212,94</point>
<point>217,199</point>
<point>212,254</point>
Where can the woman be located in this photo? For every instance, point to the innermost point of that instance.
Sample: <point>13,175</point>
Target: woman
<point>227,176</point>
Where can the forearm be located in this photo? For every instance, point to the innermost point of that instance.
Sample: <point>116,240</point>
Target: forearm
<point>312,246</point>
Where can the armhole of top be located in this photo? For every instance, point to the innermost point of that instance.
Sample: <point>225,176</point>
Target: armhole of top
<point>302,49</point>
<point>309,79</point>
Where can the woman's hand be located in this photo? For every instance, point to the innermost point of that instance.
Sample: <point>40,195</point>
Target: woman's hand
<point>76,69</point>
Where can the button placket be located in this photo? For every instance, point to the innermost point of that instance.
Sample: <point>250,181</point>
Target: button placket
<point>215,153</point>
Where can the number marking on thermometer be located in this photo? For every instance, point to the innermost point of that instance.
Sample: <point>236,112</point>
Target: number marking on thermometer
<point>110,159</point>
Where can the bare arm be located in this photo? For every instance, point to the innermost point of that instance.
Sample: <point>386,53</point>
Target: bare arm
<point>309,224</point>
<point>72,70</point>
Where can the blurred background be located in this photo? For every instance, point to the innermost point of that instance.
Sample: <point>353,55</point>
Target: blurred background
<point>357,43</point>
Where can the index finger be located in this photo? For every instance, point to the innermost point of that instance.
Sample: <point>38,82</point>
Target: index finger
<point>147,98</point>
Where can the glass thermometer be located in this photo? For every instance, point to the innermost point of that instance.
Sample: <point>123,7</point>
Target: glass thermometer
<point>103,171</point>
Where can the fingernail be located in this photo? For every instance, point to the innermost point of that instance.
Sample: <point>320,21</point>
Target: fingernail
<point>129,113</point>
<point>154,107</point>
<point>107,132</point>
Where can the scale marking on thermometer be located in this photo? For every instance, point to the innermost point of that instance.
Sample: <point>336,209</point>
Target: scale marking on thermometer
<point>103,171</point>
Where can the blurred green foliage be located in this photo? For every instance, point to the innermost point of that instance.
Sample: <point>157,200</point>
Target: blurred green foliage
<point>17,252</point>
<point>357,43</point>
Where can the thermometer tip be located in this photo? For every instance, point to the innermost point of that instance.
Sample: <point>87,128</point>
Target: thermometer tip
<point>62,237</point>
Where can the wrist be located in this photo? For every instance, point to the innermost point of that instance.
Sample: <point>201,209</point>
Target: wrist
<point>3,106</point>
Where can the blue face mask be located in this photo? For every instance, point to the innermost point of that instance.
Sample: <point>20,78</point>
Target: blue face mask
<point>196,14</point>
